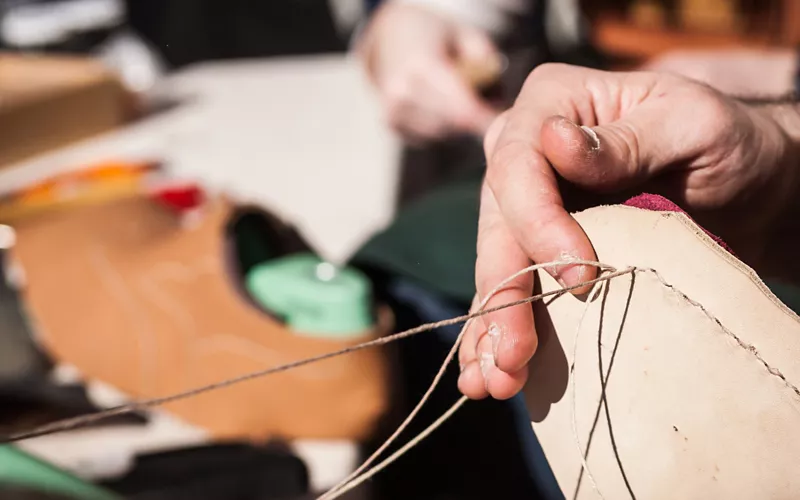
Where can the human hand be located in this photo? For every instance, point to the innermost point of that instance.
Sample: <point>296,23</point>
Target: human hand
<point>742,72</point>
<point>724,161</point>
<point>414,57</point>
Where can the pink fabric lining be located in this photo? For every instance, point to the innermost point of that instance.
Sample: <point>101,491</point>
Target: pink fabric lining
<point>658,203</point>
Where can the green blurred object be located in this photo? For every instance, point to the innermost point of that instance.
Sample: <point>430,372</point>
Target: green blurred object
<point>788,293</point>
<point>18,468</point>
<point>431,242</point>
<point>312,296</point>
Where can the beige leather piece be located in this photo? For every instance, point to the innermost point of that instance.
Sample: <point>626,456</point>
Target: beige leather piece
<point>695,414</point>
<point>131,297</point>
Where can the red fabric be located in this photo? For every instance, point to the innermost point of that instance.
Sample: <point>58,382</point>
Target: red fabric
<point>660,204</point>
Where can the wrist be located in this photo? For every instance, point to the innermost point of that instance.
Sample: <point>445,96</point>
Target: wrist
<point>783,118</point>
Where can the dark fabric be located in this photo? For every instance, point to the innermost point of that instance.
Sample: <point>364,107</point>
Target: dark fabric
<point>484,450</point>
<point>20,357</point>
<point>426,168</point>
<point>189,31</point>
<point>431,242</point>
<point>15,492</point>
<point>215,472</point>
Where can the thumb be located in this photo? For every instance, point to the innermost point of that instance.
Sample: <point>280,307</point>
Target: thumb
<point>609,157</point>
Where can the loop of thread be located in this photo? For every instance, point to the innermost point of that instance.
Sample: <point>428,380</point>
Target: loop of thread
<point>362,474</point>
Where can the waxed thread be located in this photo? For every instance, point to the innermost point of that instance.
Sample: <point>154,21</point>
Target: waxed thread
<point>359,476</point>
<point>573,397</point>
<point>136,406</point>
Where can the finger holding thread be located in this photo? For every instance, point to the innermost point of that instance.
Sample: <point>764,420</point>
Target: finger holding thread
<point>511,333</point>
<point>500,384</point>
<point>526,190</point>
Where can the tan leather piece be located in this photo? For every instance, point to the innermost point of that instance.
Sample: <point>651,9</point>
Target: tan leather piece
<point>694,414</point>
<point>130,297</point>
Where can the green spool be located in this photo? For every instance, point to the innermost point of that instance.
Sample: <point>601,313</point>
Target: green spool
<point>313,296</point>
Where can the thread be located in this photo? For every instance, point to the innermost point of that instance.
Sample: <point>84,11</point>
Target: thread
<point>354,480</point>
<point>137,406</point>
<point>573,397</point>
<point>356,476</point>
<point>361,475</point>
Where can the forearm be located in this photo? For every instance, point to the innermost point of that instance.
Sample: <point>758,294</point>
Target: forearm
<point>788,117</point>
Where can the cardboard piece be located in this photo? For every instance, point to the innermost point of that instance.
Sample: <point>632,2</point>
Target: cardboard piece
<point>47,102</point>
<point>694,408</point>
<point>129,294</point>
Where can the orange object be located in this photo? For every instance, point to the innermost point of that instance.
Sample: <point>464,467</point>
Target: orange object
<point>122,291</point>
<point>92,185</point>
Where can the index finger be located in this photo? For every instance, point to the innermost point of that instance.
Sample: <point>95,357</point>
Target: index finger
<point>526,190</point>
<point>511,330</point>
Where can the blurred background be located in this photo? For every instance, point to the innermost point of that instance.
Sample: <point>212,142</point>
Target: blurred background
<point>191,190</point>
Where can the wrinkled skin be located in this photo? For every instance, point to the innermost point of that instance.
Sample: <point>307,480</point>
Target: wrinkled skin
<point>726,162</point>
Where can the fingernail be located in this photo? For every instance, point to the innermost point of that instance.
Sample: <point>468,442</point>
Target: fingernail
<point>486,361</point>
<point>561,271</point>
<point>592,136</point>
<point>496,334</point>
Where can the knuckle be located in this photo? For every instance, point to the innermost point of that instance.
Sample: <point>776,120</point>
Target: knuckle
<point>503,159</point>
<point>634,166</point>
<point>546,71</point>
<point>540,219</point>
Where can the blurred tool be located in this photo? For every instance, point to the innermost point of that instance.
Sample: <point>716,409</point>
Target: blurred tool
<point>484,74</point>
